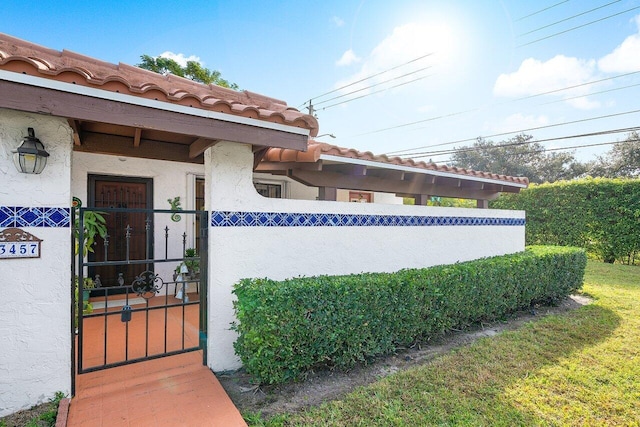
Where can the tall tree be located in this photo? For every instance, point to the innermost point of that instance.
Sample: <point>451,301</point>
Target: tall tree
<point>622,161</point>
<point>193,70</point>
<point>518,156</point>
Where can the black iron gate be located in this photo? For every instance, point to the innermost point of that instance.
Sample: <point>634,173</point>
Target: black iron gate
<point>161,311</point>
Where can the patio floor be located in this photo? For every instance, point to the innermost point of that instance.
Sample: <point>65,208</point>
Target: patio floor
<point>170,391</point>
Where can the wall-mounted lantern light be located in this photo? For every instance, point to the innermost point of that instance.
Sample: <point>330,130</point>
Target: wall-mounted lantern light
<point>31,156</point>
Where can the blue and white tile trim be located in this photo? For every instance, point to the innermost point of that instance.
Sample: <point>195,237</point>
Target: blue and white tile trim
<point>286,219</point>
<point>16,216</point>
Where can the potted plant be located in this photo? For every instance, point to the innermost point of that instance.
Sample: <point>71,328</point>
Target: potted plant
<point>87,307</point>
<point>189,268</point>
<point>87,285</point>
<point>192,262</point>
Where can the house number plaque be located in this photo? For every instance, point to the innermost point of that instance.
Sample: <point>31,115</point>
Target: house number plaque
<point>17,243</point>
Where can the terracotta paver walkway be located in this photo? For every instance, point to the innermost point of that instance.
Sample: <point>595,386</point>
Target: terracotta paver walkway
<point>171,391</point>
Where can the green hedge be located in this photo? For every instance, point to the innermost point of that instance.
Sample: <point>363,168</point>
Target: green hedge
<point>289,327</point>
<point>600,215</point>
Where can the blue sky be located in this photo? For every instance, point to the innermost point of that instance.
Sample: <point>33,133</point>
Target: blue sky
<point>443,71</point>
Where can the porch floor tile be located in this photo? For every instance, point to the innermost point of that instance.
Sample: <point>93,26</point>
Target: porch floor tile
<point>171,391</point>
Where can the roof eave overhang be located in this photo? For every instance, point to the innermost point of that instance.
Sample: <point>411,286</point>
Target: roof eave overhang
<point>390,166</point>
<point>46,96</point>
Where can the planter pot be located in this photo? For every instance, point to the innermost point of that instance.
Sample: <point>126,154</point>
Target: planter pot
<point>86,293</point>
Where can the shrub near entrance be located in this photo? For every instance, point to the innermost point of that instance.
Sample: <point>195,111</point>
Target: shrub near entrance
<point>286,328</point>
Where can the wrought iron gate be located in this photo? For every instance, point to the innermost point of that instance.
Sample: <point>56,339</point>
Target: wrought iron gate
<point>161,310</point>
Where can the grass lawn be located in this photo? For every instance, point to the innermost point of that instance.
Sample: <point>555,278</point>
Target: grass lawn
<point>579,368</point>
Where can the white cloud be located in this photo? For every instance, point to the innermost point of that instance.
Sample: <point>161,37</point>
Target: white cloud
<point>624,58</point>
<point>180,58</point>
<point>583,103</point>
<point>337,21</point>
<point>534,77</point>
<point>406,43</point>
<point>347,58</point>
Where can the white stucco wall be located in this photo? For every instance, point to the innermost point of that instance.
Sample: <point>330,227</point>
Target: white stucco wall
<point>35,320</point>
<point>280,252</point>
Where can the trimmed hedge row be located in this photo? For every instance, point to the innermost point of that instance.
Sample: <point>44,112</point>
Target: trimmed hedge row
<point>601,215</point>
<point>289,327</point>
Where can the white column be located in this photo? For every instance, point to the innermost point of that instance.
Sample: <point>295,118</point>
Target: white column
<point>35,319</point>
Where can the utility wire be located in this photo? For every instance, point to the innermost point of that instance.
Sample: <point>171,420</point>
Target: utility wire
<point>371,76</point>
<point>480,108</point>
<point>569,18</point>
<point>407,151</point>
<point>373,85</point>
<point>591,94</point>
<point>378,91</point>
<point>579,26</point>
<point>527,142</point>
<point>573,147</point>
<point>541,10</point>
<point>493,105</point>
<point>575,86</point>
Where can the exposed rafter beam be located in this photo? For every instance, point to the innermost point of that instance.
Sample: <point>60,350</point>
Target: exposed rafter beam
<point>122,146</point>
<point>136,137</point>
<point>199,146</point>
<point>258,155</point>
<point>77,129</point>
<point>416,185</point>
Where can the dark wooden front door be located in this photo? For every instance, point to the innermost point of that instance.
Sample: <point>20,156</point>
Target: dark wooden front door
<point>127,231</point>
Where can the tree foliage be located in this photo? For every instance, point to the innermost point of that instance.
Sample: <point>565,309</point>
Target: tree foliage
<point>193,70</point>
<point>622,161</point>
<point>519,156</point>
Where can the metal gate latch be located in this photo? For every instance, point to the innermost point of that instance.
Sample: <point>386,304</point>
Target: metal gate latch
<point>125,316</point>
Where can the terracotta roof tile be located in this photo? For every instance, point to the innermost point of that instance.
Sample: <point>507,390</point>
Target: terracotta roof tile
<point>23,57</point>
<point>316,149</point>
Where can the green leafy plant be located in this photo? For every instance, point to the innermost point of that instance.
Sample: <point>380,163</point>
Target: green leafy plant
<point>87,307</point>
<point>94,224</point>
<point>191,261</point>
<point>286,328</point>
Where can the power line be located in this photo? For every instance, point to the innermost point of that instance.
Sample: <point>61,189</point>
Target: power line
<point>371,76</point>
<point>373,85</point>
<point>519,143</point>
<point>576,86</point>
<point>579,26</point>
<point>407,151</point>
<point>591,94</point>
<point>541,10</point>
<point>378,91</point>
<point>569,18</point>
<point>573,147</point>
<point>492,105</point>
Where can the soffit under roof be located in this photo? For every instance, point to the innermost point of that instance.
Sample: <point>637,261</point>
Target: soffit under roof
<point>332,166</point>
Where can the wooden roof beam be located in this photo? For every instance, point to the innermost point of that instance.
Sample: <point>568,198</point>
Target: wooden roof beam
<point>416,185</point>
<point>77,129</point>
<point>199,146</point>
<point>136,137</point>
